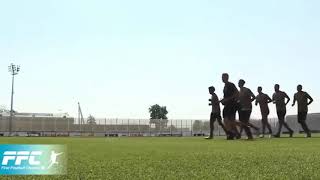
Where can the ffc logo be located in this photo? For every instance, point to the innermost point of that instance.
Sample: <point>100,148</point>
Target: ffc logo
<point>19,156</point>
<point>33,159</point>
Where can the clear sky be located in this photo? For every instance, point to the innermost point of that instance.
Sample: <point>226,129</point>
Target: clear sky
<point>119,57</point>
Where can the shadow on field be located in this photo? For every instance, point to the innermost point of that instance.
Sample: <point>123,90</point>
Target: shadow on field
<point>316,137</point>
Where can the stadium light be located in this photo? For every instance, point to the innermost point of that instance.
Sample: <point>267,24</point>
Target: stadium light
<point>14,70</point>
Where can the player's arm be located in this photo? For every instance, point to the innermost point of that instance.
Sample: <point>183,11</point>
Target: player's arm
<point>216,101</point>
<point>310,99</point>
<point>211,100</point>
<point>288,98</point>
<point>294,100</point>
<point>269,100</point>
<point>234,96</point>
<point>257,102</point>
<point>253,97</point>
<point>273,99</point>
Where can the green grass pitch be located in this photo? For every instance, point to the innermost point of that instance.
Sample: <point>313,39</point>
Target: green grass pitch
<point>184,158</point>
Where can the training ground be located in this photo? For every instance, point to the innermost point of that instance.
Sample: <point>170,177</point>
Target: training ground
<point>183,158</point>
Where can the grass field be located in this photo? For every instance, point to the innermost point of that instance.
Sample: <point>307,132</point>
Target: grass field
<point>184,158</point>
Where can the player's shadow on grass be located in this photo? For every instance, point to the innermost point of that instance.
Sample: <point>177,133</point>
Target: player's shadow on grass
<point>297,137</point>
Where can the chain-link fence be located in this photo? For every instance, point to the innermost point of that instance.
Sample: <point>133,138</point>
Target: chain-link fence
<point>56,126</point>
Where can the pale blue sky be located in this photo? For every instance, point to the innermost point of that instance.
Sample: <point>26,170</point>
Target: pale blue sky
<point>119,57</point>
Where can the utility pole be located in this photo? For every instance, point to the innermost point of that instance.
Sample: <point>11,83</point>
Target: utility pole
<point>80,118</point>
<point>14,70</point>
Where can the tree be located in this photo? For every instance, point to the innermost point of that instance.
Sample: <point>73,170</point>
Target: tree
<point>197,126</point>
<point>206,126</point>
<point>158,116</point>
<point>91,120</point>
<point>3,109</point>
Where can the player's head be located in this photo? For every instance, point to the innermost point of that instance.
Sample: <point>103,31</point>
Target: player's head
<point>225,77</point>
<point>299,88</point>
<point>259,89</point>
<point>212,89</point>
<point>241,82</point>
<point>277,87</point>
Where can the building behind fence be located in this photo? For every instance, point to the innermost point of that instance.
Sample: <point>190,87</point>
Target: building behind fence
<point>68,126</point>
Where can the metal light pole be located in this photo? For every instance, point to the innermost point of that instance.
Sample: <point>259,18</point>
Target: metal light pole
<point>14,70</point>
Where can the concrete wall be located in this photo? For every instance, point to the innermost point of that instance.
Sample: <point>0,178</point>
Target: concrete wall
<point>36,123</point>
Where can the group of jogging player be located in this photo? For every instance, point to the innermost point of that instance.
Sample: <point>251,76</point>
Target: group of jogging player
<point>241,100</point>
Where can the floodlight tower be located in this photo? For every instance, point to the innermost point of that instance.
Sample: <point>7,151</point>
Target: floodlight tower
<point>14,70</point>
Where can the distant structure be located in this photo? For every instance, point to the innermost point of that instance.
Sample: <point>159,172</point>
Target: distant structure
<point>29,123</point>
<point>313,122</point>
<point>61,124</point>
<point>80,116</point>
<point>14,70</point>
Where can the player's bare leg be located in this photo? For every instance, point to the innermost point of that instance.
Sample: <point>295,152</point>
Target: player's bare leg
<point>212,120</point>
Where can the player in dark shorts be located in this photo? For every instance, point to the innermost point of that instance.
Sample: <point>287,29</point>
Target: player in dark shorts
<point>304,100</point>
<point>263,100</point>
<point>246,97</point>
<point>229,101</point>
<point>279,98</point>
<point>215,113</point>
